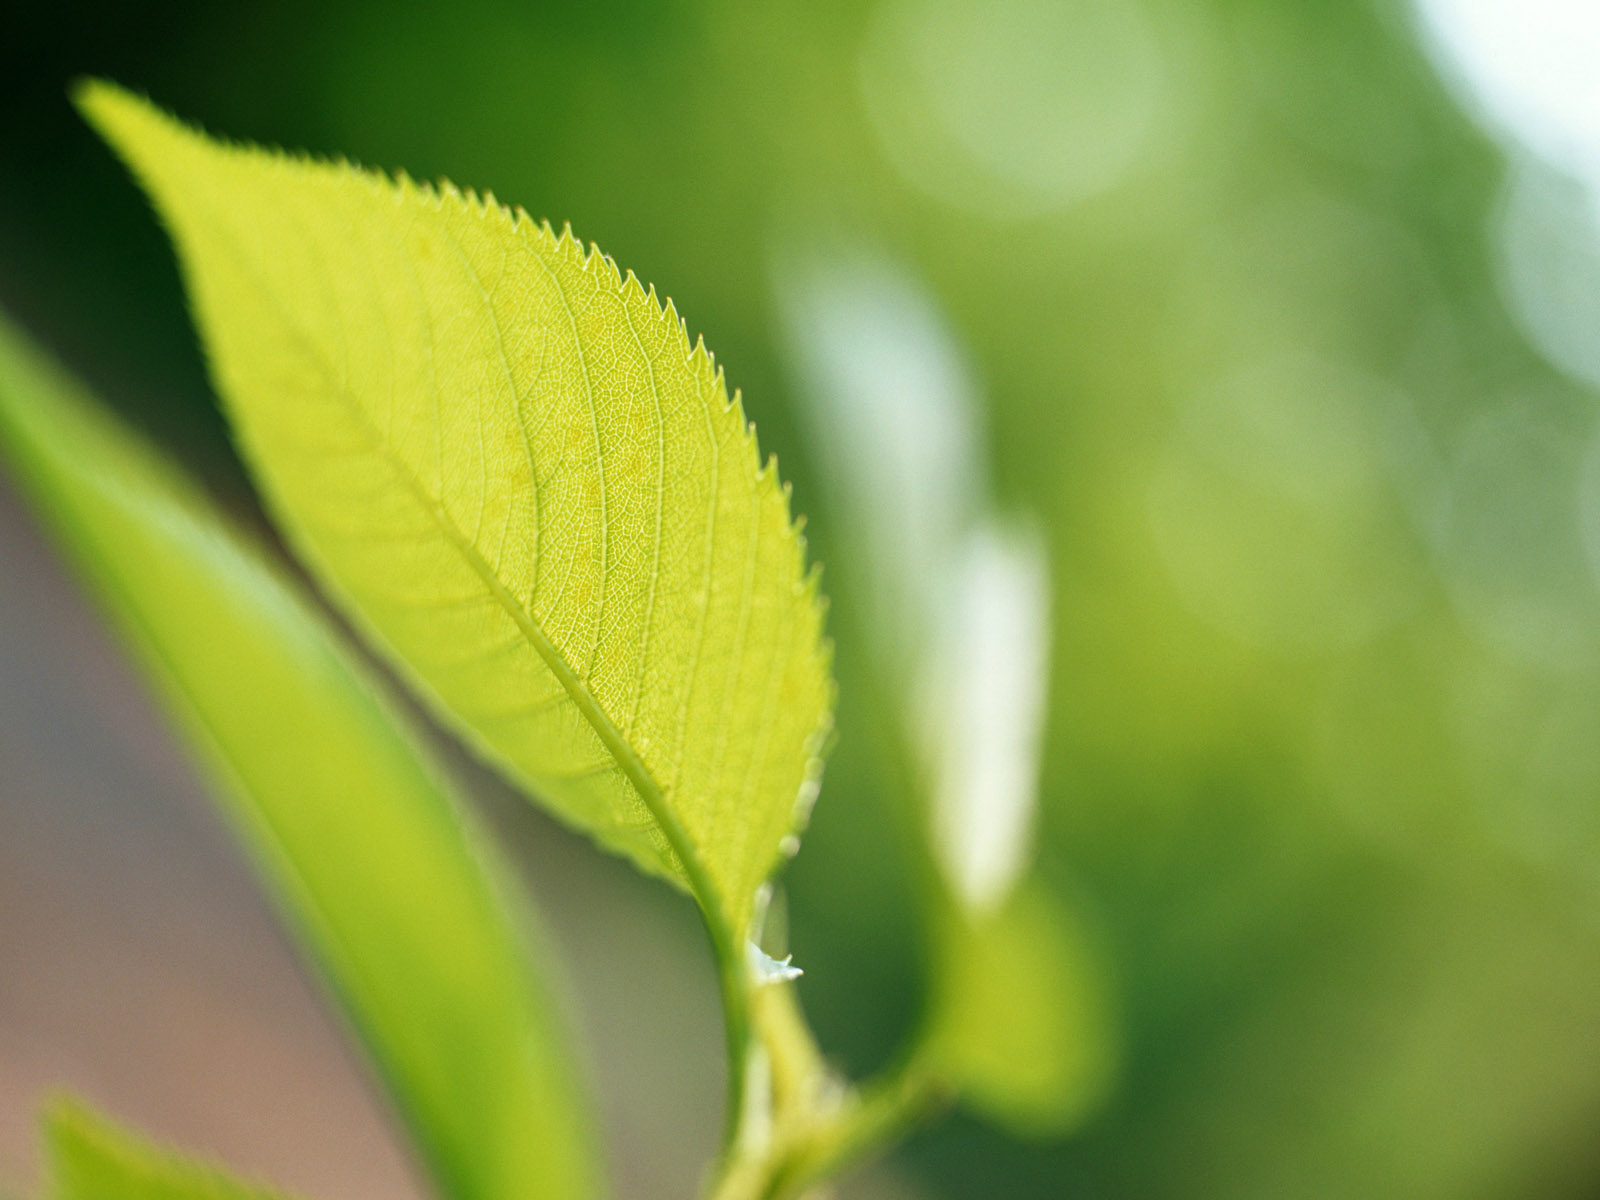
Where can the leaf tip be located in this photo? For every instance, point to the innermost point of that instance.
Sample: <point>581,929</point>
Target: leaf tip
<point>94,97</point>
<point>123,118</point>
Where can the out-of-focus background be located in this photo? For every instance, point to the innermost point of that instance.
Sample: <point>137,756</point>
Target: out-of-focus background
<point>1279,320</point>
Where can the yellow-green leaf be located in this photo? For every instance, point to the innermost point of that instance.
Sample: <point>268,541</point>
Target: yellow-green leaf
<point>90,1158</point>
<point>508,464</point>
<point>367,857</point>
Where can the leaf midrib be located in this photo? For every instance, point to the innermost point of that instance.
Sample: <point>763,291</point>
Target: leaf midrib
<point>611,737</point>
<point>614,740</point>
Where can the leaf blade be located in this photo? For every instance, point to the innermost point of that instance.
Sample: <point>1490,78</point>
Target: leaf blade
<point>533,492</point>
<point>349,828</point>
<point>91,1158</point>
<point>1023,1022</point>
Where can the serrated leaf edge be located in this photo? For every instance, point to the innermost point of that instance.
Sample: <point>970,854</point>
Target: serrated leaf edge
<point>397,186</point>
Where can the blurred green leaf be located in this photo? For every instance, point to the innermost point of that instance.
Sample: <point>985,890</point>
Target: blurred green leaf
<point>373,865</point>
<point>1022,1021</point>
<point>509,465</point>
<point>90,1158</point>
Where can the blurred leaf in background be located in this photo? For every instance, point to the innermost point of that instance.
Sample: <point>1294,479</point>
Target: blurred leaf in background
<point>92,1159</point>
<point>372,864</point>
<point>1281,348</point>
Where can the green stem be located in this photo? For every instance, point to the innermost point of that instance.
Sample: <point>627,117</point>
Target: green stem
<point>811,1147</point>
<point>883,1114</point>
<point>734,983</point>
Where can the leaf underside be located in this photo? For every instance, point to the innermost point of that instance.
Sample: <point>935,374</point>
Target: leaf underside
<point>507,464</point>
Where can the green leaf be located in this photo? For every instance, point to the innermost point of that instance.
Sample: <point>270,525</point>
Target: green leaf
<point>510,468</point>
<point>364,852</point>
<point>90,1158</point>
<point>1022,1022</point>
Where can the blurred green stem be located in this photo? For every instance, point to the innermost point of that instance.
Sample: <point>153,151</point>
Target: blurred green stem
<point>834,1128</point>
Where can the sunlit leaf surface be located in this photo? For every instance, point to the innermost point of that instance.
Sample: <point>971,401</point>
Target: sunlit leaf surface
<point>508,464</point>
